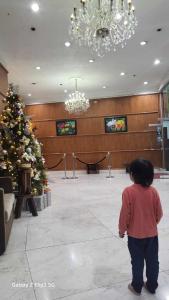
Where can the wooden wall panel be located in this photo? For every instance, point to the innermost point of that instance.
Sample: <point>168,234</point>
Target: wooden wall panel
<point>105,142</point>
<point>46,128</point>
<point>1,103</point>
<point>94,126</point>
<point>103,107</point>
<point>3,84</point>
<point>118,159</point>
<point>90,126</point>
<point>91,142</point>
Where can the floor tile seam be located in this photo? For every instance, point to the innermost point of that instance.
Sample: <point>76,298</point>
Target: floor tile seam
<point>13,252</point>
<point>31,277</point>
<point>94,289</point>
<point>101,223</point>
<point>71,243</point>
<point>98,288</point>
<point>51,222</point>
<point>106,215</point>
<point>26,237</point>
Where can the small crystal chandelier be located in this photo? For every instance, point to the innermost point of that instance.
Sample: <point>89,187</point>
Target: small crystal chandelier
<point>77,103</point>
<point>103,24</point>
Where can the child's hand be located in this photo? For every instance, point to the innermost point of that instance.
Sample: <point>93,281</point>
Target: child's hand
<point>121,235</point>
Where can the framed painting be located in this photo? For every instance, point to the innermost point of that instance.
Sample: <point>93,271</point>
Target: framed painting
<point>115,124</point>
<point>66,127</point>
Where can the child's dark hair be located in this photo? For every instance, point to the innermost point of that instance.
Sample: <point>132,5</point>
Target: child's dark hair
<point>142,172</point>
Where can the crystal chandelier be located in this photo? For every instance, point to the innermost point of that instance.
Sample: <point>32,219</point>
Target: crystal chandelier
<point>77,103</point>
<point>103,24</point>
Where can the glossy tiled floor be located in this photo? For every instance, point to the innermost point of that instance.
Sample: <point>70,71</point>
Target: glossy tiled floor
<point>72,250</point>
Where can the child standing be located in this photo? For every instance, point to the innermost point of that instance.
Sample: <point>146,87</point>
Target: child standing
<point>140,213</point>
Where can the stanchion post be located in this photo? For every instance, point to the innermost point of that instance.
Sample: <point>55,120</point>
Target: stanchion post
<point>109,165</point>
<point>65,171</point>
<point>74,166</point>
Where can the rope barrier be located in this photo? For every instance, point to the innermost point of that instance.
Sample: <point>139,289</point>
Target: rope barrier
<point>74,157</point>
<point>57,164</point>
<point>91,163</point>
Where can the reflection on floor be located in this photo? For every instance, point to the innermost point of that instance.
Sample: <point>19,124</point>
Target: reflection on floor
<point>72,250</point>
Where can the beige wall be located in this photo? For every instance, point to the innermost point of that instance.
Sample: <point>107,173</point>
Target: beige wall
<point>3,84</point>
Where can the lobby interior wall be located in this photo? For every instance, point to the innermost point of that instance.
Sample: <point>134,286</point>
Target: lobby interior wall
<point>91,142</point>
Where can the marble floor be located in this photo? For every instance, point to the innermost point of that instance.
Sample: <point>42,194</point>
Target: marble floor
<point>72,250</point>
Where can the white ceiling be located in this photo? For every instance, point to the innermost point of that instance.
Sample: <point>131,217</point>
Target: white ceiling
<point>21,50</point>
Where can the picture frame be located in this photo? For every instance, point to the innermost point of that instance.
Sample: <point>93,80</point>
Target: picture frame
<point>66,127</point>
<point>116,124</point>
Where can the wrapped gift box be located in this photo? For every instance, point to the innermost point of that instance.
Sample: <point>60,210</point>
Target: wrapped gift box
<point>39,202</point>
<point>48,195</point>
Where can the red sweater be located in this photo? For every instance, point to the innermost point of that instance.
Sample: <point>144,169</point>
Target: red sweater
<point>140,212</point>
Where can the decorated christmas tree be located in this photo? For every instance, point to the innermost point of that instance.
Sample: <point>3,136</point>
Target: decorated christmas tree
<point>18,144</point>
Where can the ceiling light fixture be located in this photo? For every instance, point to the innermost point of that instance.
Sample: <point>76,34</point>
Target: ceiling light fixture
<point>35,6</point>
<point>37,68</point>
<point>122,73</point>
<point>77,103</point>
<point>145,82</point>
<point>65,91</point>
<point>143,43</point>
<point>104,87</point>
<point>29,95</point>
<point>91,60</point>
<point>157,62</point>
<point>67,44</point>
<point>103,25</point>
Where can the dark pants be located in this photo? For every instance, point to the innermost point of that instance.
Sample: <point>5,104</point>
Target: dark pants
<point>140,250</point>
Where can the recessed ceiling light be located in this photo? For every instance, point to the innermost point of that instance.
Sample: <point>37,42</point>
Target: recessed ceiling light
<point>143,43</point>
<point>67,44</point>
<point>159,29</point>
<point>35,6</point>
<point>29,95</point>
<point>91,60</point>
<point>104,87</point>
<point>60,83</point>
<point>65,91</point>
<point>34,83</point>
<point>157,62</point>
<point>122,73</point>
<point>37,68</point>
<point>145,82</point>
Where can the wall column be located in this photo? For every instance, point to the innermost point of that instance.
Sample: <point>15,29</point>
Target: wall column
<point>3,84</point>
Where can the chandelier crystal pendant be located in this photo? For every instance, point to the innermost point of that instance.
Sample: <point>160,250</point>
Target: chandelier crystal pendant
<point>103,24</point>
<point>77,103</point>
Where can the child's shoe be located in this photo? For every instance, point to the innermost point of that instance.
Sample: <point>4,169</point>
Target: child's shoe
<point>131,288</point>
<point>151,292</point>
